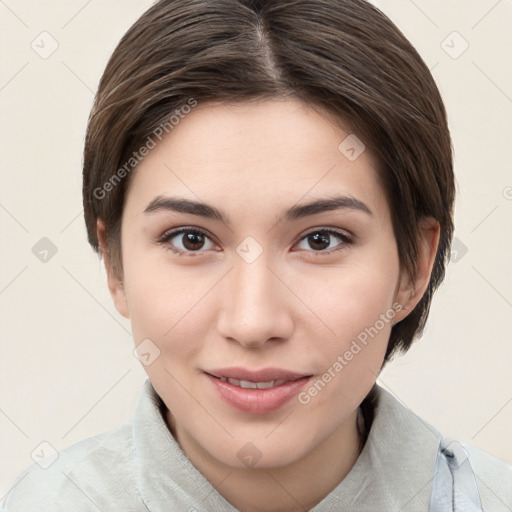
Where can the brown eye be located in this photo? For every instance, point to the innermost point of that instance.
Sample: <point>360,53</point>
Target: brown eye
<point>186,241</point>
<point>321,239</point>
<point>192,241</point>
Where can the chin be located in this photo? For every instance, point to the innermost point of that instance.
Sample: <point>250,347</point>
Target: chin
<point>258,453</point>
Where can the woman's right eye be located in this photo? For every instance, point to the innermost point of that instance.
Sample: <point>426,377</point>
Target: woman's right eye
<point>186,241</point>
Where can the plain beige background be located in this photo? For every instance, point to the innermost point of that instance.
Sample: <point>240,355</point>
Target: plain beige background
<point>67,367</point>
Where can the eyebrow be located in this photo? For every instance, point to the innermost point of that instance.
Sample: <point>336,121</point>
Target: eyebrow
<point>182,205</point>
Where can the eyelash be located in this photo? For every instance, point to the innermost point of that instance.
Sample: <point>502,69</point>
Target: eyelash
<point>166,237</point>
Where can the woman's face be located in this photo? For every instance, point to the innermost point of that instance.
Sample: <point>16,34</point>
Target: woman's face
<point>311,291</point>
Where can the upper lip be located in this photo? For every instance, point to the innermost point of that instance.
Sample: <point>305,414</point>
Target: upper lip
<point>263,375</point>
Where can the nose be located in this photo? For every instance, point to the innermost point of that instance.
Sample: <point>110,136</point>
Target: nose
<point>255,305</point>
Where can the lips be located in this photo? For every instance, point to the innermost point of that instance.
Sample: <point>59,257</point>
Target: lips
<point>256,392</point>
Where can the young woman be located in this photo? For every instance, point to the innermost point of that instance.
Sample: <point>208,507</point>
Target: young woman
<point>270,184</point>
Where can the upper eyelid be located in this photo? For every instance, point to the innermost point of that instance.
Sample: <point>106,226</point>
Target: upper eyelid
<point>338,231</point>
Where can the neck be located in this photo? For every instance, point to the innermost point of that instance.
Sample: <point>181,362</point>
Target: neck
<point>296,487</point>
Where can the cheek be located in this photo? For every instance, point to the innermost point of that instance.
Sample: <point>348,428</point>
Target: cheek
<point>166,303</point>
<point>348,362</point>
<point>356,304</point>
<point>354,295</point>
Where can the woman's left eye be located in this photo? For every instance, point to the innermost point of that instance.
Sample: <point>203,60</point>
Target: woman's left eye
<point>321,239</point>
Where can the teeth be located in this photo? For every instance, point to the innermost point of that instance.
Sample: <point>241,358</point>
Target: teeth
<point>253,385</point>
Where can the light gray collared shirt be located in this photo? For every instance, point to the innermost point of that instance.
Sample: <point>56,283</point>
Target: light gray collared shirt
<point>139,467</point>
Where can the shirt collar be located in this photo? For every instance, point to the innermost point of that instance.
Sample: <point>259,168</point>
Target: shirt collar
<point>396,466</point>
<point>164,474</point>
<point>393,472</point>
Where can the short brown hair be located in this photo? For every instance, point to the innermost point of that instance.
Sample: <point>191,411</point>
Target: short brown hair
<point>344,56</point>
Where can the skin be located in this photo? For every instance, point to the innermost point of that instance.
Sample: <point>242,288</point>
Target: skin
<point>298,306</point>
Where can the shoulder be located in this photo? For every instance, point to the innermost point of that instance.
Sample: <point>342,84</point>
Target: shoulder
<point>493,477</point>
<point>420,453</point>
<point>96,472</point>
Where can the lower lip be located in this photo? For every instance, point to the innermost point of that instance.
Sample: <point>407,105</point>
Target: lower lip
<point>258,401</point>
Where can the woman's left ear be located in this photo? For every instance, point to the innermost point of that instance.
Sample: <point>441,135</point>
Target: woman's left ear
<point>410,291</point>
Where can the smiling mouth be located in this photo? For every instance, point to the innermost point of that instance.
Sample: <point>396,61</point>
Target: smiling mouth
<point>259,395</point>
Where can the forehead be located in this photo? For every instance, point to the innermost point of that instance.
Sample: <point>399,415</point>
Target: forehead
<point>262,154</point>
